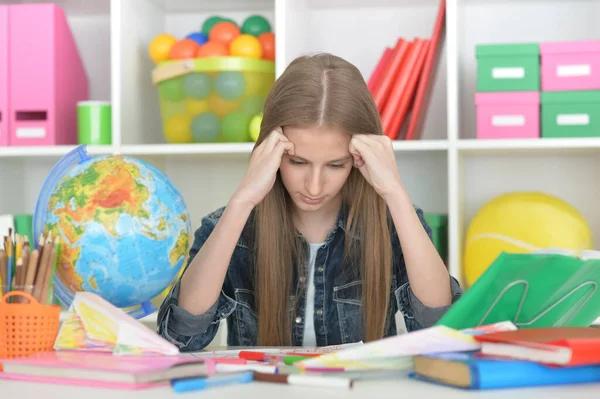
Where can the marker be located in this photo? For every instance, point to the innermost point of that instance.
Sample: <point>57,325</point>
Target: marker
<point>305,380</point>
<point>196,384</point>
<point>262,368</point>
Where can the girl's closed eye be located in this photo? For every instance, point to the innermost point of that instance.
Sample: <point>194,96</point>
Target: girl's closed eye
<point>337,165</point>
<point>296,162</point>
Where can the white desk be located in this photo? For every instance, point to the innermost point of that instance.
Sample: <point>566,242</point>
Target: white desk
<point>402,388</point>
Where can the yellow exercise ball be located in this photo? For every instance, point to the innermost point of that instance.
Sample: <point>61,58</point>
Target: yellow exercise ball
<point>522,222</point>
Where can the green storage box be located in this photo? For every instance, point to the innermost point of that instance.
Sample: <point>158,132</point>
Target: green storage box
<point>439,228</point>
<point>508,67</point>
<point>570,114</point>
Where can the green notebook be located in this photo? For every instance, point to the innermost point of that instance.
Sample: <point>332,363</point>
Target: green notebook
<point>531,290</point>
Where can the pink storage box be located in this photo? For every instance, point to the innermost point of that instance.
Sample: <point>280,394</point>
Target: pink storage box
<point>508,115</point>
<point>573,65</point>
<point>46,76</point>
<point>4,112</point>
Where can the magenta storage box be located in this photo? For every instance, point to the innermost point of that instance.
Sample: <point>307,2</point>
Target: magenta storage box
<point>4,112</point>
<point>573,65</point>
<point>46,76</point>
<point>508,115</point>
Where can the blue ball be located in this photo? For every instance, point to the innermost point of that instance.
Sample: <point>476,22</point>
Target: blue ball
<point>230,85</point>
<point>198,37</point>
<point>205,127</point>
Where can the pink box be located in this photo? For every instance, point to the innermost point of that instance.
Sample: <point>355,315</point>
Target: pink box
<point>4,111</point>
<point>573,65</point>
<point>508,115</point>
<point>47,77</point>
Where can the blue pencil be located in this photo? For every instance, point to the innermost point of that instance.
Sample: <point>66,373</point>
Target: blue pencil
<point>196,384</point>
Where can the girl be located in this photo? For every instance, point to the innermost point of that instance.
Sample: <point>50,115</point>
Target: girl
<point>320,244</point>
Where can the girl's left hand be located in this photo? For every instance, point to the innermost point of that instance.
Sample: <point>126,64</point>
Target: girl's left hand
<point>374,157</point>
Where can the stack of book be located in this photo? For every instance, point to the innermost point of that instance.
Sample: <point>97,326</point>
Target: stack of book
<point>401,81</point>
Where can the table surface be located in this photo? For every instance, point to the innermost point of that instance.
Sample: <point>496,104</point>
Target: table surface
<point>401,387</point>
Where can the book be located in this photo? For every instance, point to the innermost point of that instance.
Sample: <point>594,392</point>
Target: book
<point>468,370</point>
<point>563,346</point>
<point>94,324</point>
<point>92,368</point>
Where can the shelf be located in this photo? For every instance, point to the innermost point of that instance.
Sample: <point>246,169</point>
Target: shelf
<point>76,7</point>
<point>371,4</point>
<point>47,151</point>
<point>561,146</point>
<point>219,7</point>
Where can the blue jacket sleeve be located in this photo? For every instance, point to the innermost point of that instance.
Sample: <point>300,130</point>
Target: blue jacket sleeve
<point>416,314</point>
<point>187,331</point>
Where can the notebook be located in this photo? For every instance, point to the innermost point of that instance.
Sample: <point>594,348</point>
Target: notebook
<point>468,370</point>
<point>106,369</point>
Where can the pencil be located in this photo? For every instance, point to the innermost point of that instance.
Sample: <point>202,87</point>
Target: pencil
<point>43,268</point>
<point>3,271</point>
<point>31,271</point>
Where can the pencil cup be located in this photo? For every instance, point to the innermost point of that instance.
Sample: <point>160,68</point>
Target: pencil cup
<point>26,327</point>
<point>94,123</point>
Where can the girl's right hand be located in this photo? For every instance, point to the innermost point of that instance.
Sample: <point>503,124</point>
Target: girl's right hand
<point>262,171</point>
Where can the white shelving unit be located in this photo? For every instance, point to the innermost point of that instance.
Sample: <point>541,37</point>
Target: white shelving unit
<point>448,171</point>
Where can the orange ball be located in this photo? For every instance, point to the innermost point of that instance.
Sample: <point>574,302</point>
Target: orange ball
<point>182,49</point>
<point>224,32</point>
<point>212,49</point>
<point>267,41</point>
<point>245,45</point>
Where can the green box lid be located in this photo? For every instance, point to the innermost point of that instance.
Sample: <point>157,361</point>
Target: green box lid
<point>435,220</point>
<point>562,97</point>
<point>503,50</point>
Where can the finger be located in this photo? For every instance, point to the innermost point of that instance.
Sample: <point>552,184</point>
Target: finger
<point>274,137</point>
<point>364,149</point>
<point>285,147</point>
<point>356,156</point>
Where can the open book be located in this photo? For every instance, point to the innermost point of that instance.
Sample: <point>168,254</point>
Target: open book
<point>94,324</point>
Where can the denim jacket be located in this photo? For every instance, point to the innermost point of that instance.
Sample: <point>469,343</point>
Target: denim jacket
<point>337,301</point>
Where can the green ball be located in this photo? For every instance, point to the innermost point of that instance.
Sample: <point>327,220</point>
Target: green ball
<point>253,105</point>
<point>210,22</point>
<point>230,85</point>
<point>196,85</point>
<point>205,127</point>
<point>255,25</point>
<point>171,89</point>
<point>234,127</point>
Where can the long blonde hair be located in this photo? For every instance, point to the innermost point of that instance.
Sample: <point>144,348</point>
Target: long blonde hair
<point>320,90</point>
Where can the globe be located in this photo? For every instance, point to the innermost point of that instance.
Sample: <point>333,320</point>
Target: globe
<point>124,229</point>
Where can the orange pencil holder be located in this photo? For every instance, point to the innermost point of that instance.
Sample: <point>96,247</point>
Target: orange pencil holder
<point>26,328</point>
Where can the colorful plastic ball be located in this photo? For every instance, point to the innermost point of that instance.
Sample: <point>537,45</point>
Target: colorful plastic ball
<point>197,85</point>
<point>253,105</point>
<point>195,107</point>
<point>255,25</point>
<point>267,42</point>
<point>254,83</point>
<point>224,32</point>
<point>220,106</point>
<point>171,89</point>
<point>254,128</point>
<point>205,127</point>
<point>177,129</point>
<point>198,37</point>
<point>183,49</point>
<point>213,49</point>
<point>210,22</point>
<point>230,85</point>
<point>234,127</point>
<point>160,47</point>
<point>245,46</point>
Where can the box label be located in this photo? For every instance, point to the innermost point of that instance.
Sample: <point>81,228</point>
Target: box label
<point>508,120</point>
<point>31,133</point>
<point>508,73</point>
<point>572,119</point>
<point>565,71</point>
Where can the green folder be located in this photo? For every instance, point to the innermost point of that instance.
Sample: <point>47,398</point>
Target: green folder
<point>531,290</point>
